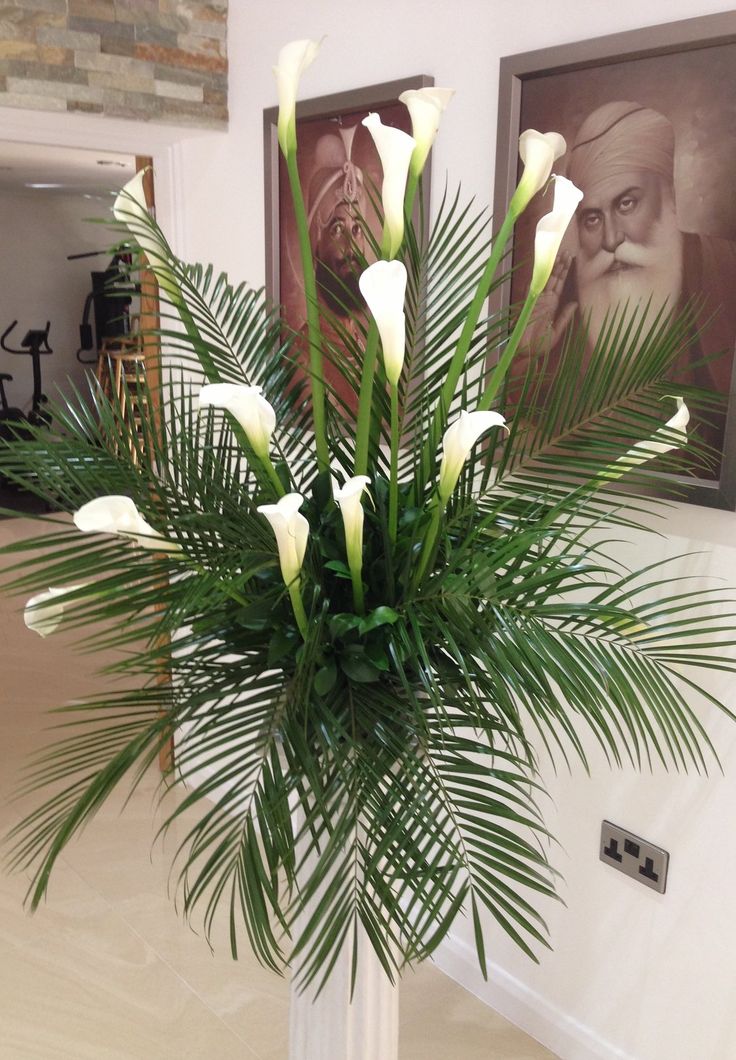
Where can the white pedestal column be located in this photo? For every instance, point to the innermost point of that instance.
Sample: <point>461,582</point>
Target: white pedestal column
<point>331,1027</point>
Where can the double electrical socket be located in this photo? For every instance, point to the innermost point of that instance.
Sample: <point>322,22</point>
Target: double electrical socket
<point>634,856</point>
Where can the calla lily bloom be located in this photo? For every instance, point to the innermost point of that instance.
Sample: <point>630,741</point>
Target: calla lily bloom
<point>292,533</point>
<point>246,403</point>
<point>294,58</point>
<point>538,152</point>
<point>43,613</point>
<point>130,209</point>
<point>672,436</point>
<point>395,149</point>
<point>550,230</point>
<point>383,285</point>
<point>426,106</point>
<point>348,497</point>
<point>458,440</point>
<point>118,515</point>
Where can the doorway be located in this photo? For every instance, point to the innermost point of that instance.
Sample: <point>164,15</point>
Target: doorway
<point>57,278</point>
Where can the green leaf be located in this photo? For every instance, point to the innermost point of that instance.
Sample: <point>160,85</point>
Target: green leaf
<point>325,678</point>
<point>380,616</point>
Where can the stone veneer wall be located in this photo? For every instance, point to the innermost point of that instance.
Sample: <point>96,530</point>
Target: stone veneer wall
<point>148,60</point>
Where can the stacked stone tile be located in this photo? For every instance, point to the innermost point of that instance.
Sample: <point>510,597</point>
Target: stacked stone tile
<point>149,60</point>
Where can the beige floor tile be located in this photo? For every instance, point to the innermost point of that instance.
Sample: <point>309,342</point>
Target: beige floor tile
<point>106,970</point>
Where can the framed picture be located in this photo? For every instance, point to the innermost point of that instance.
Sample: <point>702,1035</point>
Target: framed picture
<point>648,117</point>
<point>341,176</point>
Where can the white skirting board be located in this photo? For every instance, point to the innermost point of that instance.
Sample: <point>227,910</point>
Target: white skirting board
<point>564,1035</point>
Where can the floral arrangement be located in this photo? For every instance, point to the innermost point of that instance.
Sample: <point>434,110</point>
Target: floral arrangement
<point>375,624</point>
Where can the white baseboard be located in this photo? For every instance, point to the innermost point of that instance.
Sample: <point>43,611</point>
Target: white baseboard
<point>564,1035</point>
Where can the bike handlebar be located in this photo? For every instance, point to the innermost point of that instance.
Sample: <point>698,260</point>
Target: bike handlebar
<point>28,350</point>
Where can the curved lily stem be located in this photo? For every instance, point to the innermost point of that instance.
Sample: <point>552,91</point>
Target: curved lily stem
<point>429,543</point>
<point>500,371</point>
<point>273,476</point>
<point>356,575</point>
<point>316,373</point>
<point>457,362</point>
<point>393,485</point>
<point>298,606</point>
<point>365,400</point>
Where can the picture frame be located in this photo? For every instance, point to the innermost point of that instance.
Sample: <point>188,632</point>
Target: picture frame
<point>329,134</point>
<point>682,71</point>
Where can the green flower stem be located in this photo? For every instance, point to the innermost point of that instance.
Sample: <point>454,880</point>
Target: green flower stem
<point>457,363</point>
<point>365,400</point>
<point>501,369</point>
<point>429,543</point>
<point>273,476</point>
<point>411,191</point>
<point>393,485</point>
<point>317,378</point>
<point>356,575</point>
<point>298,605</point>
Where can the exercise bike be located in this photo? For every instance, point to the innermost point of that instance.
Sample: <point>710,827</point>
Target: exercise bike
<point>13,420</point>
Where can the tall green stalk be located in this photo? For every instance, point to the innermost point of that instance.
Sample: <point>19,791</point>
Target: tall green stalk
<point>314,333</point>
<point>365,400</point>
<point>457,363</point>
<point>393,485</point>
<point>500,371</point>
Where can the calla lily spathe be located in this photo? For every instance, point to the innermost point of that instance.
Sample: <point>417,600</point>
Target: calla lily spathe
<point>292,533</point>
<point>672,436</point>
<point>395,149</point>
<point>349,499</point>
<point>426,106</point>
<point>539,152</point>
<point>550,230</point>
<point>246,403</point>
<point>383,285</point>
<point>294,58</point>
<point>457,442</point>
<point>44,612</point>
<point>131,210</point>
<point>118,515</point>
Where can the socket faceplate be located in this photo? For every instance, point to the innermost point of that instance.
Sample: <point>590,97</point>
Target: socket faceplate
<point>634,856</point>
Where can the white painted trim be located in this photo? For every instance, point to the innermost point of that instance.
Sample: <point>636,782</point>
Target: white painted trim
<point>560,1032</point>
<point>164,144</point>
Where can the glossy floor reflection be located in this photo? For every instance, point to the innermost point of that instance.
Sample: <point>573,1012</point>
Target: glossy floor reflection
<point>107,971</point>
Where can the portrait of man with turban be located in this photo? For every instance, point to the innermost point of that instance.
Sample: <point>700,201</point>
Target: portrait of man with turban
<point>340,174</point>
<point>626,247</point>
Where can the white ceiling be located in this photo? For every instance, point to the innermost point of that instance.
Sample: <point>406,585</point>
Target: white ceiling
<point>77,171</point>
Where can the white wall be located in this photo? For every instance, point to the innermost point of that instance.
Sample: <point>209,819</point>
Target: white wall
<point>632,973</point>
<point>37,283</point>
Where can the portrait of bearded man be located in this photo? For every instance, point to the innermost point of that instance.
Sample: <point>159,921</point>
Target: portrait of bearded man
<point>626,248</point>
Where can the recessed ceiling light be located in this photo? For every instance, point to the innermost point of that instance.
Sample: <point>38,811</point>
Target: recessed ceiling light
<point>44,185</point>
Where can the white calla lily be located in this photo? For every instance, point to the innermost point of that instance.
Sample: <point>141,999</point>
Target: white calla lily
<point>44,612</point>
<point>426,106</point>
<point>351,509</point>
<point>383,285</point>
<point>457,442</point>
<point>550,230</point>
<point>130,209</point>
<point>539,152</point>
<point>292,533</point>
<point>395,149</point>
<point>118,515</point>
<point>673,435</point>
<point>294,58</point>
<point>246,403</point>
